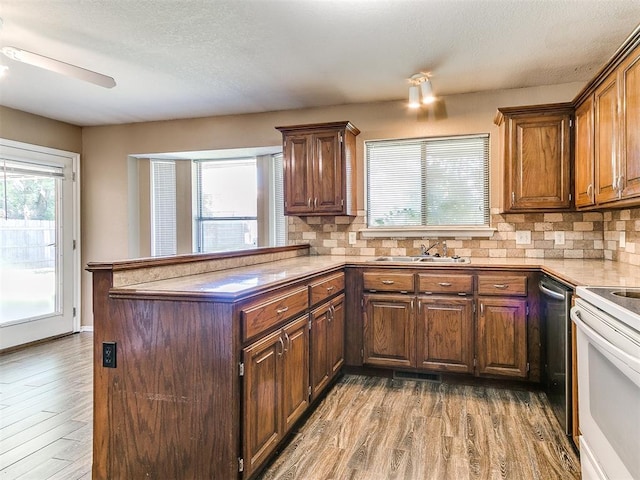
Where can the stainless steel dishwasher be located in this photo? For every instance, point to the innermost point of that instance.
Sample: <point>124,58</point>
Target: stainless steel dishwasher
<point>556,304</point>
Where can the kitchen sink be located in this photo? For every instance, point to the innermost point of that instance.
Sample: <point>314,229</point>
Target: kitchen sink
<point>628,294</point>
<point>422,259</point>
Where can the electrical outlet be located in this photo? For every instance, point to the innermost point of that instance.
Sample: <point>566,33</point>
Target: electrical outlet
<point>109,354</point>
<point>623,240</point>
<point>559,238</point>
<point>523,237</point>
<point>352,238</point>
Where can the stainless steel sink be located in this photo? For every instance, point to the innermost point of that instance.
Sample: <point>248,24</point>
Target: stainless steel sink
<point>422,259</point>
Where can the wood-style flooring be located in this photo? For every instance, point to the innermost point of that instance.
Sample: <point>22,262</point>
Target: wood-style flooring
<point>376,428</point>
<point>366,428</point>
<point>46,410</point>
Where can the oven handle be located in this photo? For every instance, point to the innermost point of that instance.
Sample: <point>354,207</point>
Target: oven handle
<point>603,344</point>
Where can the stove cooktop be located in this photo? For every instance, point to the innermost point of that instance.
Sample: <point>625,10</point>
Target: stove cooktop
<point>620,302</point>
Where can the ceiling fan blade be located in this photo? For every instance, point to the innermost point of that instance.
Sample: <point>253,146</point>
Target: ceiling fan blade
<point>59,67</point>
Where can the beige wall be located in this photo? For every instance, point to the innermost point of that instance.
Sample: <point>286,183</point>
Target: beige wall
<point>28,128</point>
<point>105,202</point>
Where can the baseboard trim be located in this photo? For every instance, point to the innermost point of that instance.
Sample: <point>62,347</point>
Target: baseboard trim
<point>86,328</point>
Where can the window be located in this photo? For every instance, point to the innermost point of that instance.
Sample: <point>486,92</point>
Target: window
<point>163,208</point>
<point>278,220</point>
<point>428,182</point>
<point>227,195</point>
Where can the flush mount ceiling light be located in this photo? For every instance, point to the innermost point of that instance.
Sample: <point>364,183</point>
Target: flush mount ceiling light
<point>420,91</point>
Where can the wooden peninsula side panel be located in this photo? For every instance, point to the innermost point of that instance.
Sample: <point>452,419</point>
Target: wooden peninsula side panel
<point>170,407</point>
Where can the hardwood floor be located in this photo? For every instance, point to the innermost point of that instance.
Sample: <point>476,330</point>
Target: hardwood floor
<point>376,428</point>
<point>366,428</point>
<point>46,410</point>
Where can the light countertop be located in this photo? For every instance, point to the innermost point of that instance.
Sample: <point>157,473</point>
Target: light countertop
<point>238,282</point>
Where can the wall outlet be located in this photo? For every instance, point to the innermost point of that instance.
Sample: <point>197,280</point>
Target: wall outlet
<point>353,238</point>
<point>559,238</point>
<point>109,354</point>
<point>523,237</point>
<point>623,240</point>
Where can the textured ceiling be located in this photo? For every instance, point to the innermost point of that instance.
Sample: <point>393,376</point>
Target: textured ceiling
<point>189,58</point>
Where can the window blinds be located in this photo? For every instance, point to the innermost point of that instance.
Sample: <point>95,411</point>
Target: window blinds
<point>163,208</point>
<point>428,182</point>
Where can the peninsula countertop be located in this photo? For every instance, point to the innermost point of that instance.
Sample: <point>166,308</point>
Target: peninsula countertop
<point>234,283</point>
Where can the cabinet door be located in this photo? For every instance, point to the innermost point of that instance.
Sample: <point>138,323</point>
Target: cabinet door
<point>502,337</point>
<point>389,333</point>
<point>540,163</point>
<point>295,371</point>
<point>335,336</point>
<point>327,169</point>
<point>584,153</point>
<point>262,407</point>
<point>445,334</point>
<point>298,175</point>
<point>605,125</point>
<point>630,125</point>
<point>320,372</point>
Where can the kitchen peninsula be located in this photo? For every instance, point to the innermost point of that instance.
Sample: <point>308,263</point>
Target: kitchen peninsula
<point>195,341</point>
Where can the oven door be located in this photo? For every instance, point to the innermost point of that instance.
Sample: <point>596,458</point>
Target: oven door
<point>609,393</point>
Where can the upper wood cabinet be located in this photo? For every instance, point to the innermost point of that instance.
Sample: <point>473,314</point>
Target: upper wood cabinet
<point>584,154</point>
<point>320,169</point>
<point>610,147</point>
<point>537,157</point>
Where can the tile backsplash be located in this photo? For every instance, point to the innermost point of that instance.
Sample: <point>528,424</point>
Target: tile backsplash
<point>552,235</point>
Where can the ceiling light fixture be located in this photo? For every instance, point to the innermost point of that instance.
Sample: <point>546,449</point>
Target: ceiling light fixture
<point>420,91</point>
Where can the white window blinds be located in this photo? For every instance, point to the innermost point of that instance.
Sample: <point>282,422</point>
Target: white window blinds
<point>428,182</point>
<point>163,208</point>
<point>279,221</point>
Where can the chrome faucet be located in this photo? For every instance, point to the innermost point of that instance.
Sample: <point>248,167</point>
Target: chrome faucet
<point>424,250</point>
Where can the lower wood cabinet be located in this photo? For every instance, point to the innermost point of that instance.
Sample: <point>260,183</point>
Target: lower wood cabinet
<point>502,337</point>
<point>276,389</point>
<point>327,344</point>
<point>389,330</point>
<point>445,334</point>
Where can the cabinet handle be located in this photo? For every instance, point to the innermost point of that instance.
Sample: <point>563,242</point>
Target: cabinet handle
<point>315,202</point>
<point>501,286</point>
<point>444,284</point>
<point>309,203</point>
<point>590,190</point>
<point>331,313</point>
<point>513,198</point>
<point>281,342</point>
<point>482,309</point>
<point>330,289</point>
<point>288,346</point>
<point>388,282</point>
<point>282,310</point>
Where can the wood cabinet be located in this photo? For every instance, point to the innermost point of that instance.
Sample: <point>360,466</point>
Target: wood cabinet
<point>276,389</point>
<point>617,132</point>
<point>327,300</point>
<point>537,157</point>
<point>614,138</point>
<point>502,326</point>
<point>389,330</point>
<point>436,327</point>
<point>445,323</point>
<point>320,169</point>
<point>584,155</point>
<point>327,343</point>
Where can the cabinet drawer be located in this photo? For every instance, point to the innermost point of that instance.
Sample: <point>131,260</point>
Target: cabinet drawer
<point>266,312</point>
<point>326,287</point>
<point>502,285</point>
<point>388,282</point>
<point>454,284</point>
